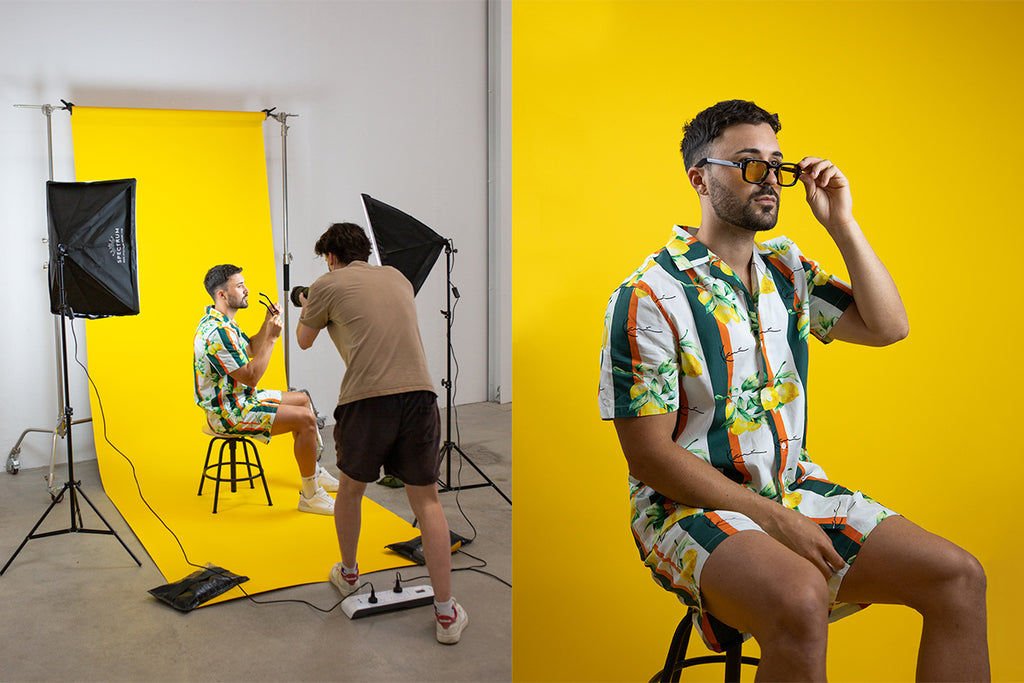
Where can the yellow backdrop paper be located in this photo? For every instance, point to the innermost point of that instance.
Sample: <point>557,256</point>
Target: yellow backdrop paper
<point>919,104</point>
<point>202,200</point>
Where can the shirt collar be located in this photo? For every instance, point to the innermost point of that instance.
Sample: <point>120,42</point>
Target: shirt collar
<point>212,312</point>
<point>687,251</point>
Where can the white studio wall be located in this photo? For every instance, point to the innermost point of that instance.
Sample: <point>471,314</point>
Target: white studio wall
<point>391,98</point>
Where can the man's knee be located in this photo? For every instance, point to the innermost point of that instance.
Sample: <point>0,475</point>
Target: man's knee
<point>961,577</point>
<point>801,613</point>
<point>349,488</point>
<point>783,600</point>
<point>298,420</point>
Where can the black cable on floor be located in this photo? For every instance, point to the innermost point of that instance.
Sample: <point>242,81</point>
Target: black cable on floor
<point>181,547</point>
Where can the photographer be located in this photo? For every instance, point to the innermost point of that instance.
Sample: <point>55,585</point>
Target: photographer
<point>387,412</point>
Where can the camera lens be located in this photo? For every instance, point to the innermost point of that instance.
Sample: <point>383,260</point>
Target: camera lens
<point>296,291</point>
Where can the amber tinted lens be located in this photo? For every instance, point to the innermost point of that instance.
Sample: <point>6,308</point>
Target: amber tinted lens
<point>787,174</point>
<point>754,170</point>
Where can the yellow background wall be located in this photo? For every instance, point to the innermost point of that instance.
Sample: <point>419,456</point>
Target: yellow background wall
<point>920,104</point>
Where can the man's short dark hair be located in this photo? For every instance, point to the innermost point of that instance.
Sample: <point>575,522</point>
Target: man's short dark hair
<point>217,278</point>
<point>346,241</point>
<point>699,133</point>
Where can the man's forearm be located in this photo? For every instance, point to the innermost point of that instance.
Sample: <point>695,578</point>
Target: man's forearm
<point>874,290</point>
<point>260,350</point>
<point>682,476</point>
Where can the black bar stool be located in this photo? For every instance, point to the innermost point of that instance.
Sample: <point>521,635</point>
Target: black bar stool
<point>676,660</point>
<point>238,470</point>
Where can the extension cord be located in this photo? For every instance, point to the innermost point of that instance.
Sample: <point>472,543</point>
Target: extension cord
<point>358,606</point>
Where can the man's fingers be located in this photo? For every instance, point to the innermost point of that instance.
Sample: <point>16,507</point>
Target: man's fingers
<point>819,172</point>
<point>832,558</point>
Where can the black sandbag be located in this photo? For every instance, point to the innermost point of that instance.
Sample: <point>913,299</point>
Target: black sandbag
<point>192,591</point>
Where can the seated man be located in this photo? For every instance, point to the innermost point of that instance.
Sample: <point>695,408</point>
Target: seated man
<point>229,364</point>
<point>704,372</point>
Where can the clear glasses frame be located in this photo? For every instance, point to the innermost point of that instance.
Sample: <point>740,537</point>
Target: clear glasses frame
<point>755,171</point>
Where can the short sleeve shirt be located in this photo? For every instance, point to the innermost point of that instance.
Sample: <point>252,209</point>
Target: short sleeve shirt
<point>684,335</point>
<point>370,313</point>
<point>219,348</point>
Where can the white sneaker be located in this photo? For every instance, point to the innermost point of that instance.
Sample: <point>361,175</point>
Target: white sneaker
<point>449,629</point>
<point>339,582</point>
<point>319,503</point>
<point>325,480</point>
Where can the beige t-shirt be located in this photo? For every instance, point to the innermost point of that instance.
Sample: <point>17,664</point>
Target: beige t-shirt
<point>370,313</point>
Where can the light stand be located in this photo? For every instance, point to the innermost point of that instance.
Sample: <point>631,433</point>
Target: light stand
<point>62,427</point>
<point>449,445</point>
<point>72,486</point>
<point>403,242</point>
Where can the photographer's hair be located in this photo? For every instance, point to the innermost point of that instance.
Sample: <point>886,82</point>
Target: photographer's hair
<point>699,133</point>
<point>217,278</point>
<point>346,241</point>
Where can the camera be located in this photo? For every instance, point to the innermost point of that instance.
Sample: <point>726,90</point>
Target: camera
<point>296,292</point>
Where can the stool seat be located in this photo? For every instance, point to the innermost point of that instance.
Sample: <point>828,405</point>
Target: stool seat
<point>676,659</point>
<point>229,468</point>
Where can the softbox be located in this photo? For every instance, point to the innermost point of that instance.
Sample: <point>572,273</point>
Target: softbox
<point>402,241</point>
<point>92,230</point>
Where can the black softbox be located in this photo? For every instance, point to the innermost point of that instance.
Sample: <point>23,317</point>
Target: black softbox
<point>92,231</point>
<point>402,241</point>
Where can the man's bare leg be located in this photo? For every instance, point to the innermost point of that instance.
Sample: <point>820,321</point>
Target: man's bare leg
<point>757,585</point>
<point>295,415</point>
<point>901,563</point>
<point>437,542</point>
<point>348,516</point>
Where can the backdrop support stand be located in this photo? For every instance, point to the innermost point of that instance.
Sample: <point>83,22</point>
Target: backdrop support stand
<point>71,486</point>
<point>63,426</point>
<point>286,256</point>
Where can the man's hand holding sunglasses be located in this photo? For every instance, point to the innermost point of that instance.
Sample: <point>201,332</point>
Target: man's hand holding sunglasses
<point>828,193</point>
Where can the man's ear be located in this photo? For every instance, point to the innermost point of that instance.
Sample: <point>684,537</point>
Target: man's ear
<point>696,177</point>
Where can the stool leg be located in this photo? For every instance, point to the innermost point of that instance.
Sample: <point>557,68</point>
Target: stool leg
<point>206,463</point>
<point>263,475</point>
<point>220,473</point>
<point>248,462</point>
<point>677,650</point>
<point>733,659</point>
<point>234,466</point>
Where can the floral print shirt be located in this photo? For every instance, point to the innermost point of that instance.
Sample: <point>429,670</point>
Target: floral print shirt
<point>219,348</point>
<point>684,335</point>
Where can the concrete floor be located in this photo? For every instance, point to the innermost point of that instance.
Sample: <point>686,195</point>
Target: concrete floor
<point>76,608</point>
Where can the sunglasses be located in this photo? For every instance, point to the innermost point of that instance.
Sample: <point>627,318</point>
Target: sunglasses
<point>756,171</point>
<point>268,303</point>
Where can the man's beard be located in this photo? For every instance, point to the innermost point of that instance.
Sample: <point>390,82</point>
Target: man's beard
<point>239,302</point>
<point>744,213</point>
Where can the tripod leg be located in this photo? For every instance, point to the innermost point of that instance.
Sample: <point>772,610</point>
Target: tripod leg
<point>447,452</point>
<point>110,529</point>
<point>56,500</point>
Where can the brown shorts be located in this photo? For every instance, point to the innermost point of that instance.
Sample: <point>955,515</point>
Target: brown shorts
<point>399,432</point>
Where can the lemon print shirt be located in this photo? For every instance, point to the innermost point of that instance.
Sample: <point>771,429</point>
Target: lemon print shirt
<point>219,348</point>
<point>683,335</point>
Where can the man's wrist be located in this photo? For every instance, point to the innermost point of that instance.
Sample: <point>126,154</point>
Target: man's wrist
<point>755,506</point>
<point>842,231</point>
